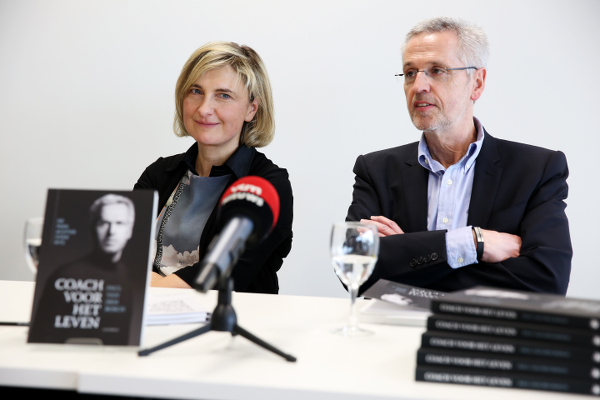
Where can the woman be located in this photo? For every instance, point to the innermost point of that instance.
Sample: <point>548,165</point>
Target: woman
<point>224,102</point>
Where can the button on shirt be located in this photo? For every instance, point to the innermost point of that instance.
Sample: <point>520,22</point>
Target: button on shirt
<point>448,199</point>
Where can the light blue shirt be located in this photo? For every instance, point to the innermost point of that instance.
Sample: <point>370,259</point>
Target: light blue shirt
<point>448,199</point>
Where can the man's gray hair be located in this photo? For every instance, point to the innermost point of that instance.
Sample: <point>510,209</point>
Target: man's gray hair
<point>473,47</point>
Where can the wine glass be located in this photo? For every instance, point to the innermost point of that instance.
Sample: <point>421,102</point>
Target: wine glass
<point>354,251</point>
<point>33,241</point>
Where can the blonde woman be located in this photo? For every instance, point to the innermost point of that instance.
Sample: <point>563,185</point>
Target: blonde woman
<point>224,102</point>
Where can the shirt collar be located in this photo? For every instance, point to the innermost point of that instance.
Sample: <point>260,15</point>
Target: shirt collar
<point>466,162</point>
<point>238,163</point>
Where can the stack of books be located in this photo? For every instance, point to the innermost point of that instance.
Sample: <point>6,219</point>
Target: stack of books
<point>504,338</point>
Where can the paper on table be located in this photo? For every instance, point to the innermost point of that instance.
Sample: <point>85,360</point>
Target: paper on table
<point>174,308</point>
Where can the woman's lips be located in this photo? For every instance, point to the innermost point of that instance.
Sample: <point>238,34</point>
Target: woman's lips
<point>205,124</point>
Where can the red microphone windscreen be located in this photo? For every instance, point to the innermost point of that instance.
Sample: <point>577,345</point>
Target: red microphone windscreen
<point>255,190</point>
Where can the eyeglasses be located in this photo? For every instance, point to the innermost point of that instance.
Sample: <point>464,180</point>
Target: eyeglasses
<point>438,74</point>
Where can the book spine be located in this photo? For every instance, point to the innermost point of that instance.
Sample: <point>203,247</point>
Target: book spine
<point>518,381</point>
<point>506,363</point>
<point>525,348</point>
<point>481,326</point>
<point>441,306</point>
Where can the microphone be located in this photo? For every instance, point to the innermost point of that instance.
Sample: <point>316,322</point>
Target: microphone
<point>249,209</point>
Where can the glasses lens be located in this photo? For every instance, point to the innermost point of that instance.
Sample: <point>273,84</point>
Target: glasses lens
<point>437,74</point>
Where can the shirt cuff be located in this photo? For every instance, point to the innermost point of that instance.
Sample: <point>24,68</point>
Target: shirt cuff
<point>460,247</point>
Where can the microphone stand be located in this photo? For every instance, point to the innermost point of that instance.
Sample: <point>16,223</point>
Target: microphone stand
<point>223,319</point>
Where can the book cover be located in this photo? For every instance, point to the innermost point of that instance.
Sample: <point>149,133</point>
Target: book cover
<point>537,308</point>
<point>506,380</point>
<point>94,267</point>
<point>499,345</point>
<point>512,329</point>
<point>506,362</point>
<point>403,295</point>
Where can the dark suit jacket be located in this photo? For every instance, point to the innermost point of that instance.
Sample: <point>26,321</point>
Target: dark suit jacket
<point>517,188</point>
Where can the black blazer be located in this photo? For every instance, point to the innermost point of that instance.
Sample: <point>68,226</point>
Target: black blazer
<point>517,188</point>
<point>256,270</point>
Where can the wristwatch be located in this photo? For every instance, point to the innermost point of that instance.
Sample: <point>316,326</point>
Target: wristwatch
<point>479,238</point>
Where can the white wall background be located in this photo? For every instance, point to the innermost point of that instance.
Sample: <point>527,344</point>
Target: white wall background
<point>86,101</point>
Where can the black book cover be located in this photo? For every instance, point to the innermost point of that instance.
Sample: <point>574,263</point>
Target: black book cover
<point>498,345</point>
<point>507,380</point>
<point>94,266</point>
<point>511,329</point>
<point>404,295</point>
<point>506,362</point>
<point>537,308</point>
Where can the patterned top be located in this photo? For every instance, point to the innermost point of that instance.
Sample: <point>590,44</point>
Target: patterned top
<point>182,220</point>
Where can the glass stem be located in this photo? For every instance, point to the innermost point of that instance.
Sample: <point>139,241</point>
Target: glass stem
<point>353,321</point>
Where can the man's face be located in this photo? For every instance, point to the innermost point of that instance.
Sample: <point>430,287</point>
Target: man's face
<point>437,106</point>
<point>114,227</point>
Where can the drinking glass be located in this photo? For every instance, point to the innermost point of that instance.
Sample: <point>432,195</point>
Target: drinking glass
<point>354,251</point>
<point>33,241</point>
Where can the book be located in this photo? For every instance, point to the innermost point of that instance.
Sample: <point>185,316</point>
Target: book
<point>500,345</point>
<point>512,305</point>
<point>511,329</point>
<point>397,304</point>
<point>94,267</point>
<point>506,362</point>
<point>403,295</point>
<point>382,312</point>
<point>499,379</point>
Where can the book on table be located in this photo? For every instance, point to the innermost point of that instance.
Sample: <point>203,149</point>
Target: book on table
<point>398,304</point>
<point>527,307</point>
<point>512,329</point>
<point>501,379</point>
<point>94,267</point>
<point>436,357</point>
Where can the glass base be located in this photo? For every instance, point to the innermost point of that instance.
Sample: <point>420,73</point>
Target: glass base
<point>352,331</point>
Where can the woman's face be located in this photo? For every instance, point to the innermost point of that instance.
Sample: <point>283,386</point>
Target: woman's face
<point>215,109</point>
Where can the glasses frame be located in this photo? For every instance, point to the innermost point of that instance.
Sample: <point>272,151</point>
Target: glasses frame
<point>398,76</point>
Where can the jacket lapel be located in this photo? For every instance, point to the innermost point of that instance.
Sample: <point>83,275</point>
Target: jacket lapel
<point>485,183</point>
<point>415,179</point>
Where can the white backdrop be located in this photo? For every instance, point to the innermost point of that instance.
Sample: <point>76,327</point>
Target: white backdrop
<point>86,101</point>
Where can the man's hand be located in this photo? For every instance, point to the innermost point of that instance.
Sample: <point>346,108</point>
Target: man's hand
<point>498,246</point>
<point>385,226</point>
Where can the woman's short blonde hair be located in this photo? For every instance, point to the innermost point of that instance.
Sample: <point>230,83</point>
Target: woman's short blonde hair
<point>250,69</point>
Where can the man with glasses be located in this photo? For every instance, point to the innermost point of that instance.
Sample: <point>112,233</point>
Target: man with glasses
<point>461,208</point>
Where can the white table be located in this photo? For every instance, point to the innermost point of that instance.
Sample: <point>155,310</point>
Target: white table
<point>217,366</point>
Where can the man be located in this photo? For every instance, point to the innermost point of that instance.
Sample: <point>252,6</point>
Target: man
<point>461,208</point>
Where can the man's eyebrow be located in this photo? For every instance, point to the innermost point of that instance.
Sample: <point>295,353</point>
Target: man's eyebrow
<point>429,63</point>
